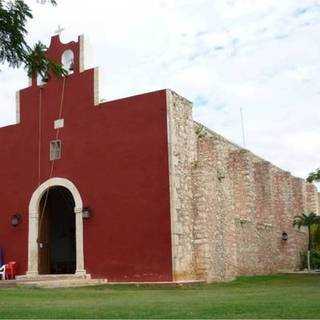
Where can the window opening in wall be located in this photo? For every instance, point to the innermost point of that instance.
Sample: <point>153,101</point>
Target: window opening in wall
<point>67,61</point>
<point>55,150</point>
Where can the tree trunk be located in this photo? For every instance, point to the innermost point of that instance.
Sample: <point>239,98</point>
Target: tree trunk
<point>310,238</point>
<point>308,258</point>
<point>309,249</point>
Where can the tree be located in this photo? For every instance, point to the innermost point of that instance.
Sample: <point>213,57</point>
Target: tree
<point>314,176</point>
<point>14,48</point>
<point>315,231</point>
<point>308,221</point>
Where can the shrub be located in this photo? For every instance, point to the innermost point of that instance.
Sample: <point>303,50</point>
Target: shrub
<point>314,259</point>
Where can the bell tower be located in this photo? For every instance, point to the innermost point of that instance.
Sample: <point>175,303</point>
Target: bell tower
<point>70,55</point>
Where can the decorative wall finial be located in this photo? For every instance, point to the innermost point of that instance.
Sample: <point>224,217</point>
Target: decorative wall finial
<point>59,30</point>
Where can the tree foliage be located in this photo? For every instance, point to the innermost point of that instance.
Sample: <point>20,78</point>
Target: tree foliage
<point>307,220</point>
<point>14,48</point>
<point>314,176</point>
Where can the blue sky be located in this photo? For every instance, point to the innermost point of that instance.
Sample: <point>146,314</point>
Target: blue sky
<point>259,55</point>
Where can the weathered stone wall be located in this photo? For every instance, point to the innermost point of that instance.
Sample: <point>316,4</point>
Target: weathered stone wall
<point>182,155</point>
<point>242,177</point>
<point>214,225</point>
<point>229,207</point>
<point>265,220</point>
<point>312,200</point>
<point>299,206</point>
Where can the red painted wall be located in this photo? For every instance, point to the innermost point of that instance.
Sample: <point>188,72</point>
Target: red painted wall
<point>115,153</point>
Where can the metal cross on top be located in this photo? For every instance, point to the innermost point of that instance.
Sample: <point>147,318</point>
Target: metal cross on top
<point>59,30</point>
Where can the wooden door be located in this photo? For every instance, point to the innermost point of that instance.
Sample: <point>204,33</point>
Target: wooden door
<point>44,238</point>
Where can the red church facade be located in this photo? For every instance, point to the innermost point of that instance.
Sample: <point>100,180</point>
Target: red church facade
<point>115,154</point>
<point>135,190</point>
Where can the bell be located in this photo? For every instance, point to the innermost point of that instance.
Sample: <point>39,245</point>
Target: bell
<point>71,68</point>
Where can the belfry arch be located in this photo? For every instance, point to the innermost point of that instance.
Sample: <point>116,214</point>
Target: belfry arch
<point>34,205</point>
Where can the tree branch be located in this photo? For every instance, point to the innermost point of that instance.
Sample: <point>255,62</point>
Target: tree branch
<point>14,49</point>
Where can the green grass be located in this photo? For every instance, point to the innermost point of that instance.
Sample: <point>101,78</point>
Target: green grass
<point>281,296</point>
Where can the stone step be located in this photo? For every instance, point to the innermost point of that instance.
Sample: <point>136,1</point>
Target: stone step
<point>45,277</point>
<point>52,281</point>
<point>61,283</point>
<point>69,281</point>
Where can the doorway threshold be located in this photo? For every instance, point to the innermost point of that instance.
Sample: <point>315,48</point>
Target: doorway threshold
<point>46,277</point>
<point>53,281</point>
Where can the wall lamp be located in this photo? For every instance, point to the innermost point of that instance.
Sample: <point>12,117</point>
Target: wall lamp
<point>220,175</point>
<point>285,236</point>
<point>86,213</point>
<point>16,219</point>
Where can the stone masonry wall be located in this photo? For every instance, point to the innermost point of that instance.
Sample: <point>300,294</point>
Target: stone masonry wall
<point>214,227</point>
<point>182,154</point>
<point>229,207</point>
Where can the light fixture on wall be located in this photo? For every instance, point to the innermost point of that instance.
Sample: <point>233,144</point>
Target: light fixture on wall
<point>86,213</point>
<point>284,236</point>
<point>220,175</point>
<point>16,219</point>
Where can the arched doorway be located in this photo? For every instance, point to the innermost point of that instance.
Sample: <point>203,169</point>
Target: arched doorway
<point>57,237</point>
<point>35,205</point>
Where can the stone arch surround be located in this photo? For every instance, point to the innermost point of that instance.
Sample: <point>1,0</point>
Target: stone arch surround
<point>33,263</point>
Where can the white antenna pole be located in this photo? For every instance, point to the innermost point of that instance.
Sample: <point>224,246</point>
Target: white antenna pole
<point>243,131</point>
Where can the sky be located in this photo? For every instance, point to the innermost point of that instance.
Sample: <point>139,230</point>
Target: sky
<point>261,56</point>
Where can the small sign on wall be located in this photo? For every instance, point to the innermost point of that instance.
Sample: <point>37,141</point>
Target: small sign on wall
<point>58,124</point>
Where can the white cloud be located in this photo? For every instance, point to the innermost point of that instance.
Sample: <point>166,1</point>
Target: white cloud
<point>259,55</point>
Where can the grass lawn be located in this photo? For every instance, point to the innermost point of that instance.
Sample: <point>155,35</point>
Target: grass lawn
<point>281,296</point>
